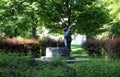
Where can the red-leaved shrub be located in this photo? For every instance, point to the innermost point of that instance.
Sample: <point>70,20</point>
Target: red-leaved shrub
<point>20,45</point>
<point>112,47</point>
<point>29,46</point>
<point>49,42</point>
<point>92,47</point>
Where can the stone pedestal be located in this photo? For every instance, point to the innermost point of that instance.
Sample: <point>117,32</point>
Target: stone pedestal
<point>63,52</point>
<point>57,51</point>
<point>52,52</point>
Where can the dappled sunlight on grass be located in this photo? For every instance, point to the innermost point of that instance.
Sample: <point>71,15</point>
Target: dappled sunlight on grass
<point>77,51</point>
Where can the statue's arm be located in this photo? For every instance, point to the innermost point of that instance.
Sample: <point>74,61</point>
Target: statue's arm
<point>65,29</point>
<point>70,27</point>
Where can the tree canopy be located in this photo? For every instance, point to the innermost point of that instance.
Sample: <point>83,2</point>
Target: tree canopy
<point>115,14</point>
<point>87,16</point>
<point>22,17</point>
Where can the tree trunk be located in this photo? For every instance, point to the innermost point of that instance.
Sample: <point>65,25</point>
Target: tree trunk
<point>69,12</point>
<point>15,32</point>
<point>34,33</point>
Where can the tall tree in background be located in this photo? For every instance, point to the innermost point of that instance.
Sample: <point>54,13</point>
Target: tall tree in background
<point>87,16</point>
<point>115,14</point>
<point>19,17</point>
<point>32,11</point>
<point>13,18</point>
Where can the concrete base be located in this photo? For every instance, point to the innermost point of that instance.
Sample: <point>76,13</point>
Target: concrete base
<point>57,51</point>
<point>62,52</point>
<point>67,60</point>
<point>44,58</point>
<point>52,52</point>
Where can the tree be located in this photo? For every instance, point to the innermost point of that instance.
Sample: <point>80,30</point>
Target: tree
<point>115,13</point>
<point>87,16</point>
<point>19,18</point>
<point>33,17</point>
<point>13,17</point>
<point>115,29</point>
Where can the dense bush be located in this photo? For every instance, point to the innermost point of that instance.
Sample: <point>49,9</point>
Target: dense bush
<point>29,46</point>
<point>49,42</point>
<point>98,68</point>
<point>23,66</point>
<point>92,47</point>
<point>24,46</point>
<point>12,65</point>
<point>113,48</point>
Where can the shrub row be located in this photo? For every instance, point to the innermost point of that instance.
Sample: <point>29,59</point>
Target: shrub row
<point>112,47</point>
<point>22,66</point>
<point>94,47</point>
<point>98,68</point>
<point>29,46</point>
<point>18,46</point>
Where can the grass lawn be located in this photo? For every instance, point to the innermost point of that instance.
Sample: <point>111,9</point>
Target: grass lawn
<point>77,51</point>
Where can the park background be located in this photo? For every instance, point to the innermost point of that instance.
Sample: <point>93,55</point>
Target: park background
<point>28,27</point>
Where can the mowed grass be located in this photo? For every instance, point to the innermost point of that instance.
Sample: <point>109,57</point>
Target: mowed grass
<point>77,51</point>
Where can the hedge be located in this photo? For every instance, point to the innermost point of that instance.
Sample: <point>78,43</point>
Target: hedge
<point>12,65</point>
<point>36,47</point>
<point>98,68</point>
<point>25,66</point>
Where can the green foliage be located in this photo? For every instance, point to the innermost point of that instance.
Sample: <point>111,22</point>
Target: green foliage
<point>21,66</point>
<point>115,15</point>
<point>16,66</point>
<point>19,17</point>
<point>12,65</point>
<point>88,16</point>
<point>92,19</point>
<point>115,29</point>
<point>97,68</point>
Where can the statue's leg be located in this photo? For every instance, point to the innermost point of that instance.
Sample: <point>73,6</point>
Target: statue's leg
<point>65,42</point>
<point>69,43</point>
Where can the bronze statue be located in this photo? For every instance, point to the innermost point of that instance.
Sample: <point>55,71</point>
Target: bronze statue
<point>67,37</point>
